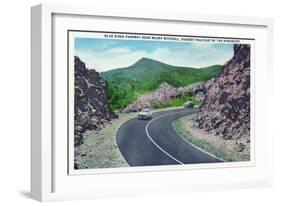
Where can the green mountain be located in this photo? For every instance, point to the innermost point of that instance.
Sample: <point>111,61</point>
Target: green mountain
<point>126,84</point>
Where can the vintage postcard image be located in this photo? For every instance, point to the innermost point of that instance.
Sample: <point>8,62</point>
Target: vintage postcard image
<point>143,100</point>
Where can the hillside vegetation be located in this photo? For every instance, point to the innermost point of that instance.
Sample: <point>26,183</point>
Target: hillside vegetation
<point>126,84</point>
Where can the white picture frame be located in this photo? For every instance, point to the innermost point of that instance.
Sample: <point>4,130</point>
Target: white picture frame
<point>49,177</point>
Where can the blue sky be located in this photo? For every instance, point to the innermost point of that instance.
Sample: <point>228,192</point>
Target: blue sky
<point>106,54</point>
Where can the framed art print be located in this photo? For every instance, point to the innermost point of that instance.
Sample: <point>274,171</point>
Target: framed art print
<point>158,100</point>
<point>135,102</point>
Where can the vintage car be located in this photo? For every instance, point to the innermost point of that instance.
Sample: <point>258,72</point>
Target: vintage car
<point>188,105</point>
<point>145,114</point>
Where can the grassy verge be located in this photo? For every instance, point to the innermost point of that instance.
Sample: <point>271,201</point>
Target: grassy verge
<point>179,127</point>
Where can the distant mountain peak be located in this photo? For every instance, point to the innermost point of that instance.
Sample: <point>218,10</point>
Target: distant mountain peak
<point>145,61</point>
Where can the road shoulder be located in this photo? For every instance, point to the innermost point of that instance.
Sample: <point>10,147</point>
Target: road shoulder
<point>100,149</point>
<point>228,150</point>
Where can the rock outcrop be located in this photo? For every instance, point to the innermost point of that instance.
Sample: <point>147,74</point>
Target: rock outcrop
<point>92,110</point>
<point>226,108</point>
<point>163,94</point>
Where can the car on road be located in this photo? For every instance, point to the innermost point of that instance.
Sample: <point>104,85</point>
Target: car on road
<point>188,105</point>
<point>145,114</point>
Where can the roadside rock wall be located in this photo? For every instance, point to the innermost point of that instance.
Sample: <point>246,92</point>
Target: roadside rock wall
<point>92,110</point>
<point>226,109</point>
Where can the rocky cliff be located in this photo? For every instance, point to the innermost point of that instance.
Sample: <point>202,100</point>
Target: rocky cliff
<point>164,94</point>
<point>226,109</point>
<point>92,110</point>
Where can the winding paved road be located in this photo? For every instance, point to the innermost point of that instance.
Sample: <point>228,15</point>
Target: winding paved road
<point>154,142</point>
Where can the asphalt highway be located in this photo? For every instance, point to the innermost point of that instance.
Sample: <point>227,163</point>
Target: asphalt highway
<point>154,142</point>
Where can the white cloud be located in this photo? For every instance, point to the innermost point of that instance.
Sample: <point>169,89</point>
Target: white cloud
<point>202,55</point>
<point>110,59</point>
